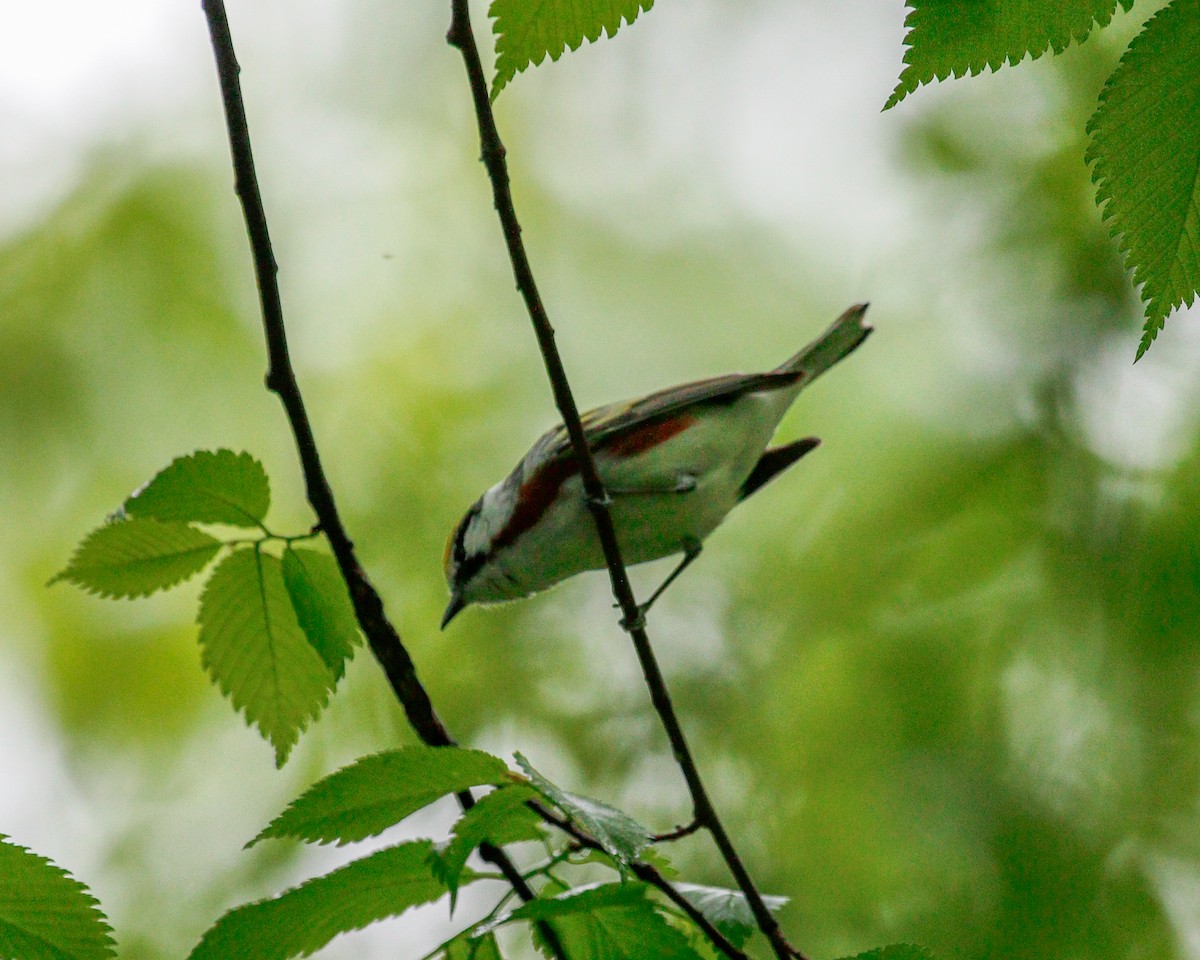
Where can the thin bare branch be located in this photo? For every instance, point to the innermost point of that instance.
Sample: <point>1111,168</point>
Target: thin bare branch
<point>461,36</point>
<point>381,635</point>
<point>678,833</point>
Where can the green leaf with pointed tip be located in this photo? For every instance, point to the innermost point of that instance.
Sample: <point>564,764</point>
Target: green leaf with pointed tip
<point>375,792</point>
<point>468,947</point>
<point>899,951</point>
<point>253,647</point>
<point>322,605</point>
<point>600,896</point>
<point>501,817</point>
<point>134,558</point>
<point>527,30</point>
<point>46,914</point>
<point>612,921</point>
<point>951,38</point>
<point>655,857</point>
<point>206,487</point>
<point>1146,148</point>
<point>727,910</point>
<point>303,919</point>
<point>618,833</point>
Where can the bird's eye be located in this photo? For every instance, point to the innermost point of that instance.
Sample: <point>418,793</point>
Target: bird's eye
<point>456,551</point>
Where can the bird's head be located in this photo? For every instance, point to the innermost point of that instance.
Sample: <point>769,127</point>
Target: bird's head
<point>477,550</point>
<point>466,553</point>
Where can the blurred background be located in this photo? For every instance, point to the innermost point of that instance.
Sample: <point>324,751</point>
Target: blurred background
<point>942,677</point>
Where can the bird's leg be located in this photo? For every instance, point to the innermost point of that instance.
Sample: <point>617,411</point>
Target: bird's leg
<point>691,550</point>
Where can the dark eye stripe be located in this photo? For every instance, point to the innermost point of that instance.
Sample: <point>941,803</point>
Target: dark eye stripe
<point>468,567</point>
<point>460,550</point>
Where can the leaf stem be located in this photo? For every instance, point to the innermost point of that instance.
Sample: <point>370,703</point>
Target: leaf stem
<point>678,833</point>
<point>461,36</point>
<point>268,537</point>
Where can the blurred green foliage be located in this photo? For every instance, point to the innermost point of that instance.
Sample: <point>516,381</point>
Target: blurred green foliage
<point>943,678</point>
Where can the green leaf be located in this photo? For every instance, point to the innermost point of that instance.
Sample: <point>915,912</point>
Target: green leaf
<point>655,857</point>
<point>467,946</point>
<point>134,558</point>
<point>256,652</point>
<point>727,910</point>
<point>206,487</point>
<point>1146,148</point>
<point>46,914</point>
<point>322,605</point>
<point>618,833</point>
<point>527,30</point>
<point>305,918</point>
<point>612,921</point>
<point>600,896</point>
<point>950,37</point>
<point>378,791</point>
<point>899,951</point>
<point>503,816</point>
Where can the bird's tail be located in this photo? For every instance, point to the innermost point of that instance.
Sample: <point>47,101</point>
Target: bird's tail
<point>840,340</point>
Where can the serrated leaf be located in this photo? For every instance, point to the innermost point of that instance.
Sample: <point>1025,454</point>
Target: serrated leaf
<point>1146,148</point>
<point>618,833</point>
<point>527,30</point>
<point>466,946</point>
<point>45,913</point>
<point>951,38</point>
<point>727,910</point>
<point>322,605</point>
<point>654,857</point>
<point>134,558</point>
<point>208,486</point>
<point>612,921</point>
<point>899,951</point>
<point>503,816</point>
<point>600,896</point>
<point>253,647</point>
<point>375,792</point>
<point>303,919</point>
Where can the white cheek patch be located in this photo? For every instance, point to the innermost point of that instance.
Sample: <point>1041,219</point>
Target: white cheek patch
<point>493,516</point>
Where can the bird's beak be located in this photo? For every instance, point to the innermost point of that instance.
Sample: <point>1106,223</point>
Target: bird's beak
<point>452,608</point>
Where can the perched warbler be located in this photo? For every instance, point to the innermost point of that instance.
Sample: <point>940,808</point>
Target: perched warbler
<point>674,463</point>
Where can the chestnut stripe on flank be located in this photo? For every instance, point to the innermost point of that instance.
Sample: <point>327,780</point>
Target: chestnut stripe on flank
<point>541,490</point>
<point>648,436</point>
<point>534,499</point>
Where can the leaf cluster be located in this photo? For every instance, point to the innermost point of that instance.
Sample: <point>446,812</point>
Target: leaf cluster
<point>621,919</point>
<point>275,630</point>
<point>1145,132</point>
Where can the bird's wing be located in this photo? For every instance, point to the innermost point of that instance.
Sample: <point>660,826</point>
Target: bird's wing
<point>609,425</point>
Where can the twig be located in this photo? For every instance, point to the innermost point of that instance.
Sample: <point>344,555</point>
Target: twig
<point>384,641</point>
<point>461,36</point>
<point>381,635</point>
<point>678,833</point>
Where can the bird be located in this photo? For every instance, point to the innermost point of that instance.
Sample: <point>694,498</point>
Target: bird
<point>673,464</point>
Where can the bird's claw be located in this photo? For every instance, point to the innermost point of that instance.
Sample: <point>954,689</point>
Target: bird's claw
<point>638,622</point>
